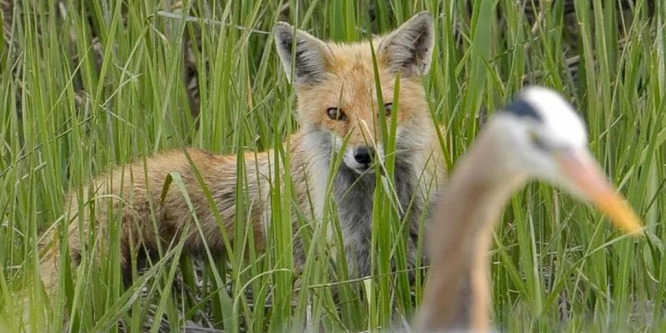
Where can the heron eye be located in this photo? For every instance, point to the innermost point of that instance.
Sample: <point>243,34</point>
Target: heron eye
<point>537,141</point>
<point>388,109</point>
<point>335,114</point>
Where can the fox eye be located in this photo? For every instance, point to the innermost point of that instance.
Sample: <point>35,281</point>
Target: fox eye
<point>388,109</point>
<point>335,114</point>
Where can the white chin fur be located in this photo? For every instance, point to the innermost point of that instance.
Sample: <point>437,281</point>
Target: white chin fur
<point>369,170</point>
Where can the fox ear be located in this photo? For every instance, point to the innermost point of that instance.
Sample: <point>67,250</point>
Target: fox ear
<point>310,55</point>
<point>408,49</point>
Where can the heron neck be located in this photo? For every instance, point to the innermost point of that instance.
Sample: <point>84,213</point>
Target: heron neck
<point>457,293</point>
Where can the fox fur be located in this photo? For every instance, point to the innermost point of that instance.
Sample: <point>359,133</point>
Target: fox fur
<point>337,102</point>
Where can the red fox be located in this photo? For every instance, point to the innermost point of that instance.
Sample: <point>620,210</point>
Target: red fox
<point>337,107</point>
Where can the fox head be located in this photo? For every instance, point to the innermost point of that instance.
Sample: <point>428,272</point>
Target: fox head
<point>337,91</point>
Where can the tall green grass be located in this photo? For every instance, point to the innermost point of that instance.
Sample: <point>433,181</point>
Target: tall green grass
<point>88,106</point>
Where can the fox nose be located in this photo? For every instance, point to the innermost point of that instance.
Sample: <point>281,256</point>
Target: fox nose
<point>364,155</point>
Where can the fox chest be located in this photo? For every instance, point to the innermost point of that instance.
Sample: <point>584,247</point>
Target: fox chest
<point>355,194</point>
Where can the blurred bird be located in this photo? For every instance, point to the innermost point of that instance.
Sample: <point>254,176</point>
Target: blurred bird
<point>538,136</point>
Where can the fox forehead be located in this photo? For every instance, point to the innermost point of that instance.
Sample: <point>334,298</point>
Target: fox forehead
<point>350,72</point>
<point>352,91</point>
<point>349,82</point>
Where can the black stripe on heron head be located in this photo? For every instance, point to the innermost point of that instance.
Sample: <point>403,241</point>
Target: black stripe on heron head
<point>521,108</point>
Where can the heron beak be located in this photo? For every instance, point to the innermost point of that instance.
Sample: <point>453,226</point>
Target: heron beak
<point>585,175</point>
